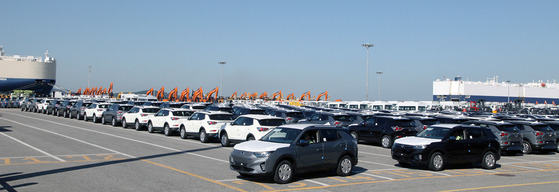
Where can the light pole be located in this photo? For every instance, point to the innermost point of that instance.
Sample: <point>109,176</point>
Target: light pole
<point>89,77</point>
<point>508,91</point>
<point>367,45</point>
<point>379,73</point>
<point>221,86</point>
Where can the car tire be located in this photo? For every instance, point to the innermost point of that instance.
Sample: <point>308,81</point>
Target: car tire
<point>65,114</point>
<point>345,166</point>
<point>70,115</point>
<point>103,121</point>
<point>58,113</point>
<point>78,116</point>
<point>557,150</point>
<point>250,138</point>
<point>94,119</point>
<point>386,141</point>
<point>124,123</point>
<point>224,140</point>
<point>203,136</point>
<point>150,127</point>
<point>436,162</point>
<point>354,135</point>
<point>284,172</point>
<point>526,147</point>
<point>166,130</point>
<point>183,133</point>
<point>489,161</point>
<point>113,122</point>
<point>137,125</point>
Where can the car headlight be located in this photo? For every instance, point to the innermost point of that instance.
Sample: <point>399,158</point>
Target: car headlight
<point>262,154</point>
<point>419,146</point>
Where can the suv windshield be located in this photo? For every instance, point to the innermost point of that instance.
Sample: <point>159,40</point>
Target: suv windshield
<point>434,133</point>
<point>221,117</point>
<point>343,118</point>
<point>271,122</point>
<point>124,108</point>
<point>541,128</point>
<point>295,115</point>
<point>281,135</point>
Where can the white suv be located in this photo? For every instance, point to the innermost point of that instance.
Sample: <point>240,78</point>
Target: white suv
<point>248,127</point>
<point>95,111</point>
<point>139,116</point>
<point>205,124</point>
<point>42,106</point>
<point>168,120</point>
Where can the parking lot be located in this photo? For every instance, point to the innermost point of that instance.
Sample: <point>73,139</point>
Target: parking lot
<point>46,153</point>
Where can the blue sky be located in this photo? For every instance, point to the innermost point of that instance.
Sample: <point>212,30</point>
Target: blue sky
<point>292,46</point>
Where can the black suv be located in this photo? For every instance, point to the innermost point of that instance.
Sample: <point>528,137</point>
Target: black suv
<point>238,111</point>
<point>296,148</point>
<point>383,129</point>
<point>507,134</point>
<point>78,109</point>
<point>290,116</point>
<point>114,114</point>
<point>443,144</point>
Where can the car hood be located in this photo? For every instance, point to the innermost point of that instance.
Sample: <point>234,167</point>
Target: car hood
<point>259,146</point>
<point>416,140</point>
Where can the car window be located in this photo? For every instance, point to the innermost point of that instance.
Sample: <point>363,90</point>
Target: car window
<point>294,114</point>
<point>194,116</point>
<point>281,135</point>
<point>370,121</point>
<point>434,132</point>
<point>542,128</point>
<point>329,135</point>
<point>124,108</point>
<point>271,122</point>
<point>221,117</point>
<point>239,121</point>
<point>160,113</point>
<point>309,137</point>
<point>315,117</point>
<point>248,121</point>
<point>474,134</point>
<point>343,118</point>
<point>182,113</point>
<point>405,123</point>
<point>201,116</point>
<point>458,134</point>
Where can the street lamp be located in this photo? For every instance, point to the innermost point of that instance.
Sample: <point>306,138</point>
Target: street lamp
<point>379,73</point>
<point>89,76</point>
<point>221,86</point>
<point>367,45</point>
<point>508,92</point>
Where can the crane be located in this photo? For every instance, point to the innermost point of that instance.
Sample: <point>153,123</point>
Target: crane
<point>161,94</point>
<point>150,92</point>
<point>290,96</point>
<point>264,96</point>
<point>234,96</point>
<point>325,94</point>
<point>307,94</point>
<point>185,95</point>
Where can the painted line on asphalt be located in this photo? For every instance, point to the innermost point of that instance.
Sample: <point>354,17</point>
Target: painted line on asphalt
<point>130,156</point>
<point>502,186</point>
<point>377,176</point>
<point>375,154</point>
<point>129,139</point>
<point>315,182</point>
<point>32,147</point>
<point>376,163</point>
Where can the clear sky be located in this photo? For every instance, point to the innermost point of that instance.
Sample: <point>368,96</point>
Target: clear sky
<point>290,45</point>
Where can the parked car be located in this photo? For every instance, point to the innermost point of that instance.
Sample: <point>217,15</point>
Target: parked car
<point>78,109</point>
<point>205,124</point>
<point>383,129</point>
<point>536,137</point>
<point>171,105</point>
<point>168,120</point>
<point>42,106</point>
<point>289,149</point>
<point>290,116</point>
<point>555,126</point>
<point>237,111</point>
<point>138,116</point>
<point>194,106</point>
<point>444,144</point>
<point>248,127</point>
<point>507,134</point>
<point>64,109</point>
<point>53,106</point>
<point>114,114</point>
<point>95,111</point>
<point>327,118</point>
<point>219,107</point>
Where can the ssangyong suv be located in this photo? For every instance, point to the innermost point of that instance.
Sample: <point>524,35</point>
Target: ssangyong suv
<point>536,136</point>
<point>383,129</point>
<point>248,127</point>
<point>296,148</point>
<point>138,116</point>
<point>443,144</point>
<point>205,124</point>
<point>507,134</point>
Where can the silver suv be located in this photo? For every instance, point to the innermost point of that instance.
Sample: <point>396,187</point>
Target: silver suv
<point>296,148</point>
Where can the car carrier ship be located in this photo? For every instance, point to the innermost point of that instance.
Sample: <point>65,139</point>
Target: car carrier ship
<point>27,73</point>
<point>494,91</point>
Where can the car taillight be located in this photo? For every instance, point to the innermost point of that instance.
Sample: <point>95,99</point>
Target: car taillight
<point>288,119</point>
<point>337,123</point>
<point>424,127</point>
<point>143,114</point>
<point>212,122</point>
<point>504,134</point>
<point>120,112</point>
<point>537,133</point>
<point>397,128</point>
<point>262,129</point>
<point>175,118</point>
<point>99,109</point>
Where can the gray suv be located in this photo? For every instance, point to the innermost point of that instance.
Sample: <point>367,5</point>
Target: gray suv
<point>537,136</point>
<point>507,134</point>
<point>296,148</point>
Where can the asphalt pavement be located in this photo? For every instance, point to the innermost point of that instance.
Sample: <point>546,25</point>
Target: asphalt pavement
<point>41,152</point>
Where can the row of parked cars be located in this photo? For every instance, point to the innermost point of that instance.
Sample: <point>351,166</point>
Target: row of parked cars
<point>282,140</point>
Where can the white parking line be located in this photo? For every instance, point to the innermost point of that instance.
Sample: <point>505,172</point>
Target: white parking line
<point>315,182</point>
<point>60,155</point>
<point>35,148</point>
<point>378,176</point>
<point>375,154</point>
<point>516,159</point>
<point>129,139</point>
<point>524,167</point>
